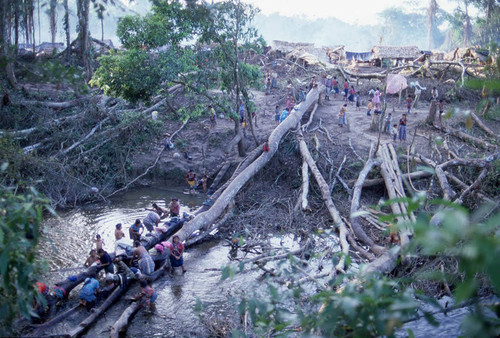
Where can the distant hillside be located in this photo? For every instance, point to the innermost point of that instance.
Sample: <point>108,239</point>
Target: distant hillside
<point>323,32</point>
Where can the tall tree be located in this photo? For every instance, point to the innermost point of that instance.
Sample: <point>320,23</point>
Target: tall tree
<point>5,32</point>
<point>431,23</point>
<point>100,15</point>
<point>82,9</point>
<point>67,29</point>
<point>53,20</point>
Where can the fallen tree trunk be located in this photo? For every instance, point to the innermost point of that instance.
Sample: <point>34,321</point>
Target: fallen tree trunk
<point>394,186</point>
<point>49,104</point>
<point>42,327</point>
<point>325,193</point>
<point>378,181</point>
<point>122,322</point>
<point>117,293</point>
<point>356,197</point>
<point>209,217</point>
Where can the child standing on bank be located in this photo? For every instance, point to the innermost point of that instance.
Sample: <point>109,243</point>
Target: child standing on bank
<point>369,108</point>
<point>409,101</point>
<point>394,132</point>
<point>277,114</point>
<point>402,128</point>
<point>358,102</point>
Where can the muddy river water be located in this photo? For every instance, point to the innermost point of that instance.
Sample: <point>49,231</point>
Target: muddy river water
<point>68,239</point>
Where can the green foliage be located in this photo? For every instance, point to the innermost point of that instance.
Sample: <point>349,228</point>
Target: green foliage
<point>357,305</point>
<point>55,72</point>
<point>20,217</point>
<point>166,24</point>
<point>136,75</point>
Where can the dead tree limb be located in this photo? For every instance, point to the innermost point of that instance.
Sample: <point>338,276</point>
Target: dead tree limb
<point>327,199</point>
<point>472,187</point>
<point>448,192</point>
<point>50,104</point>
<point>92,132</point>
<point>464,186</point>
<point>311,116</point>
<point>305,186</point>
<point>483,126</point>
<point>465,137</point>
<point>208,217</point>
<point>148,168</point>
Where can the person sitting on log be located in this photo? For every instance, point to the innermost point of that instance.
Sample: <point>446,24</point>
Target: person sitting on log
<point>151,220</point>
<point>145,262</point>
<point>88,292</point>
<point>147,296</point>
<point>106,261</point>
<point>136,230</point>
<point>175,207</point>
<point>119,234</point>
<point>176,251</point>
<point>92,259</point>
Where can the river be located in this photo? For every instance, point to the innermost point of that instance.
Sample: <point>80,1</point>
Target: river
<point>68,238</point>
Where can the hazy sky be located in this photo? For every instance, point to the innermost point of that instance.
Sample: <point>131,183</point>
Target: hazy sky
<point>352,11</point>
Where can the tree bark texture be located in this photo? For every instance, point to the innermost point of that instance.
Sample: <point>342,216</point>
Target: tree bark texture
<point>208,217</point>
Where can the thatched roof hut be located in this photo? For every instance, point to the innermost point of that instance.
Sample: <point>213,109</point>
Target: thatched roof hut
<point>287,47</point>
<point>396,52</point>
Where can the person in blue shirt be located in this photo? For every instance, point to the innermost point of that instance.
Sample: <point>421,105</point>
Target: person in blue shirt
<point>284,115</point>
<point>88,292</point>
<point>136,230</point>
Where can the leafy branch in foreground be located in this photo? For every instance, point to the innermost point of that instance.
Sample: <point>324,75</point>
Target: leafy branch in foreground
<point>20,217</point>
<point>359,305</point>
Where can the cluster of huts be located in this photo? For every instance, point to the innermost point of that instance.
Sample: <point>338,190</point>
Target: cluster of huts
<point>378,56</point>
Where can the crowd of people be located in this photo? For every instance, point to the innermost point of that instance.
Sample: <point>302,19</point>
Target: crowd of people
<point>141,260</point>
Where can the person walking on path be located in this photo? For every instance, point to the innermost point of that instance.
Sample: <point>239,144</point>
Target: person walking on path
<point>402,128</point>
<point>211,114</point>
<point>376,97</point>
<point>342,113</point>
<point>352,94</point>
<point>277,115</point>
<point>358,102</point>
<point>328,85</point>
<point>346,89</point>
<point>335,87</point>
